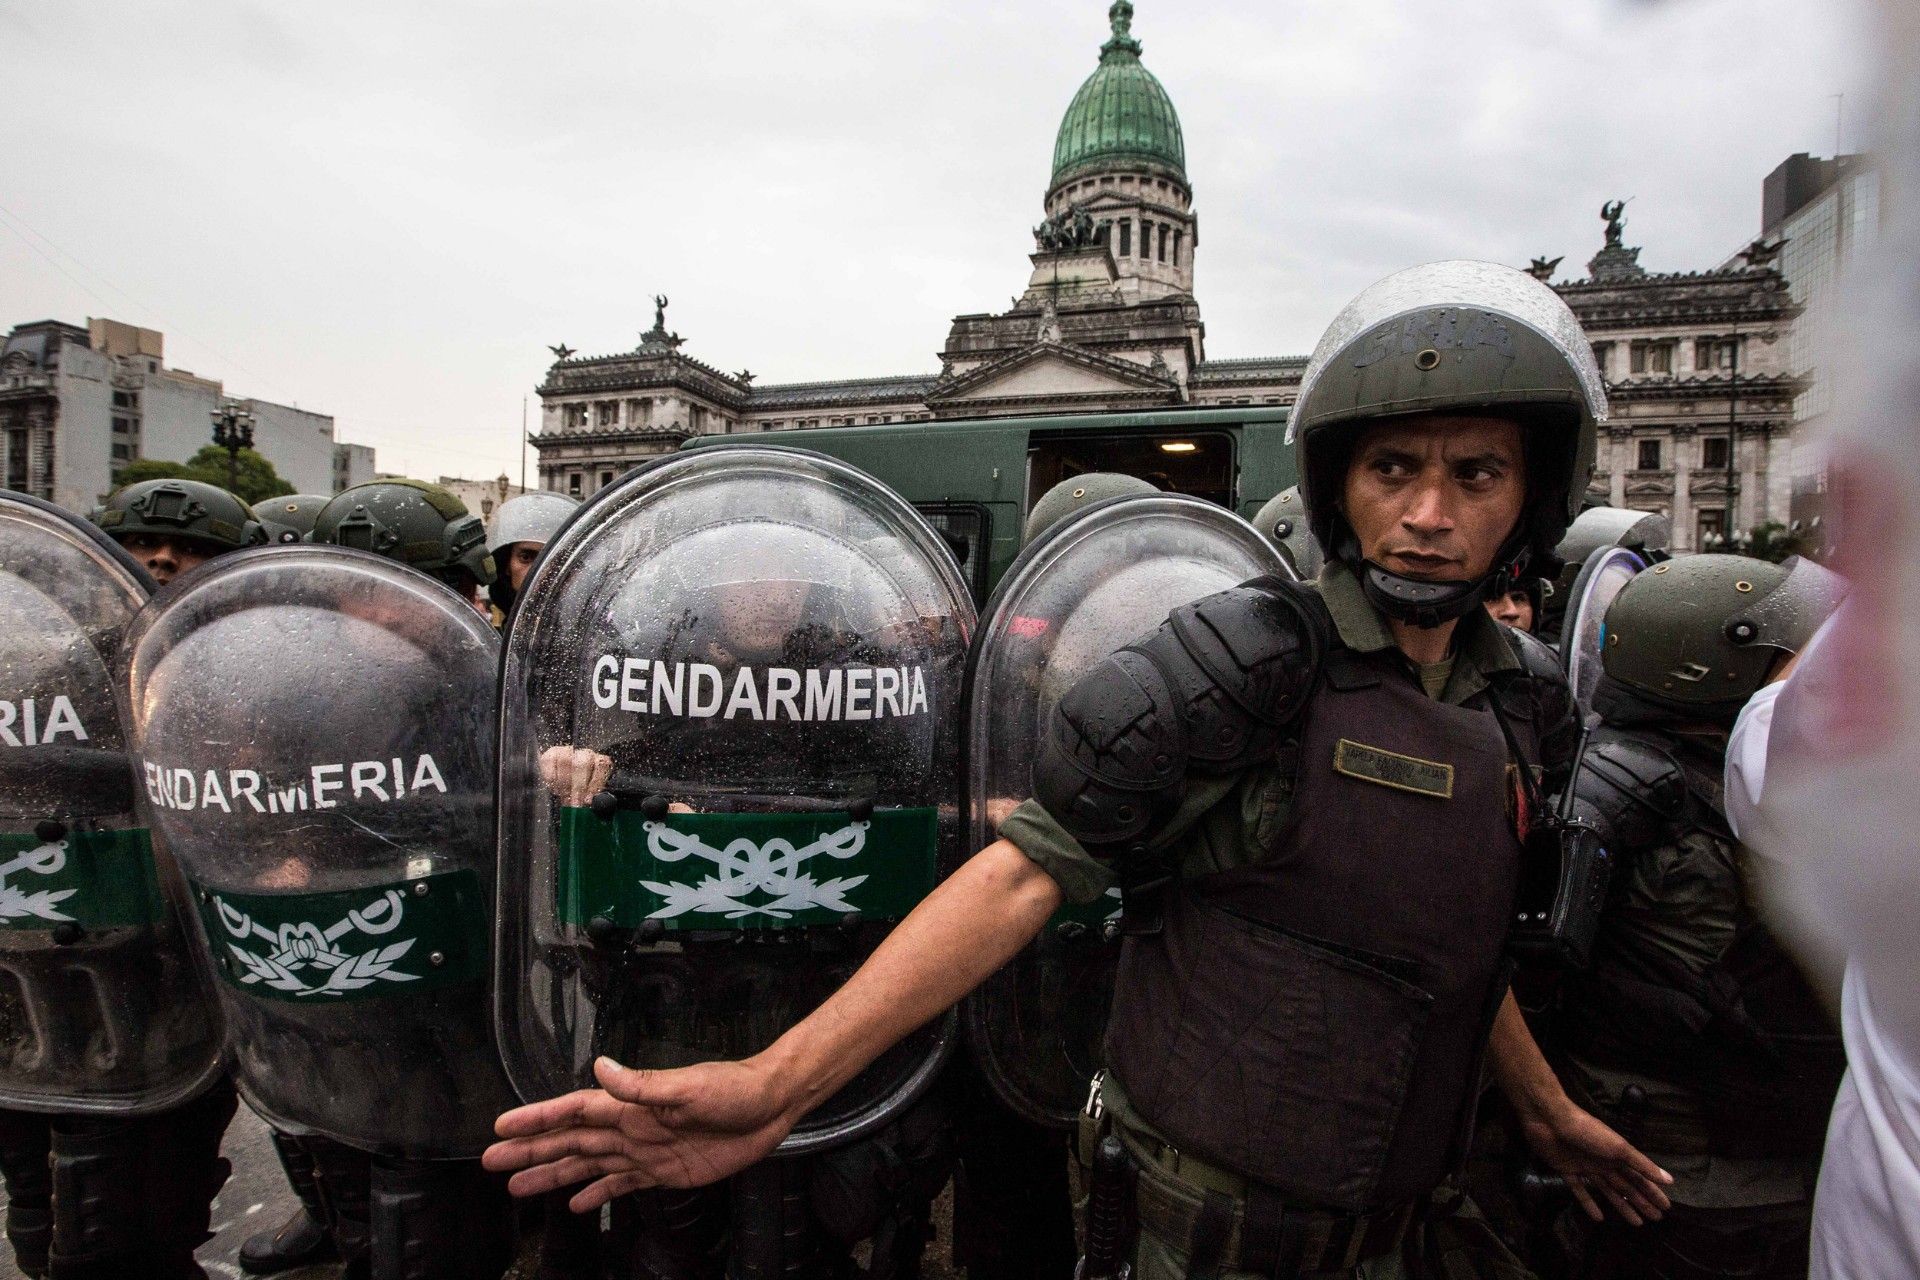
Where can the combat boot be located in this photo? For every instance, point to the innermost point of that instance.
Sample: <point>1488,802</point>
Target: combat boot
<point>303,1238</point>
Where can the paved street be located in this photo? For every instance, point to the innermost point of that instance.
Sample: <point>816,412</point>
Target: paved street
<point>257,1197</point>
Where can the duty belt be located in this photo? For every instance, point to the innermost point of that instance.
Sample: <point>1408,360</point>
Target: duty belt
<point>1241,1225</point>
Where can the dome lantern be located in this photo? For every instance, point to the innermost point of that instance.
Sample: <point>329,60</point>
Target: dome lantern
<point>1121,117</point>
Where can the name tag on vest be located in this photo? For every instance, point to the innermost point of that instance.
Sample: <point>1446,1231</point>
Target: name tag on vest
<point>1391,769</point>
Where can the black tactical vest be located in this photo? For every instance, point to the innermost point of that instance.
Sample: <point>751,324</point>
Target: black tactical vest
<point>1316,1021</point>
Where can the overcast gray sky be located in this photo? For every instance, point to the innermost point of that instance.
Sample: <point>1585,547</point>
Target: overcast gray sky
<point>386,209</point>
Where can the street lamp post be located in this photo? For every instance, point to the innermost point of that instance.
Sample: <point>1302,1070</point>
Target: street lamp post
<point>232,431</point>
<point>1733,432</point>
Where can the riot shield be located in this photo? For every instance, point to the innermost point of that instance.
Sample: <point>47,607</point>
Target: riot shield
<point>729,719</point>
<point>314,731</point>
<point>1107,576</point>
<point>101,1006</point>
<point>1600,579</point>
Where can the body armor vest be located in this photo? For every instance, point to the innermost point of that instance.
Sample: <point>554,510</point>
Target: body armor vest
<point>1316,1021</point>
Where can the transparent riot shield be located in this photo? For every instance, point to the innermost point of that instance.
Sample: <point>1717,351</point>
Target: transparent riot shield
<point>314,732</point>
<point>101,1006</point>
<point>1106,577</point>
<point>728,766</point>
<point>1601,578</point>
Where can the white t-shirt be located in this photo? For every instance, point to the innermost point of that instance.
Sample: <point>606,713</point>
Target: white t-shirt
<point>1866,1212</point>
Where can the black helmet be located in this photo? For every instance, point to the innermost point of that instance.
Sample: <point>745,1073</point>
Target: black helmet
<point>413,522</point>
<point>1451,337</point>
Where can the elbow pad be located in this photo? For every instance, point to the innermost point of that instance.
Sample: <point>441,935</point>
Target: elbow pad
<point>1210,691</point>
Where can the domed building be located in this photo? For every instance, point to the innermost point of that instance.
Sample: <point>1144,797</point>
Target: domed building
<point>1108,321</point>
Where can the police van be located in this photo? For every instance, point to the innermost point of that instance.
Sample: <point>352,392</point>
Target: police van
<point>975,479</point>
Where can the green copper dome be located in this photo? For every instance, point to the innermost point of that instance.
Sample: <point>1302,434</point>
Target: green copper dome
<point>1121,114</point>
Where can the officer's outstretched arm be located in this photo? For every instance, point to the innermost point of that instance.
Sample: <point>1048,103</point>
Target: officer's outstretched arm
<point>1599,1165</point>
<point>696,1125</point>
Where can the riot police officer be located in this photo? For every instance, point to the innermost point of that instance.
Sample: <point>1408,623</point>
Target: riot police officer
<point>1692,1032</point>
<point>171,526</point>
<point>1518,605</point>
<point>113,1098</point>
<point>524,524</point>
<point>429,528</point>
<point>1645,533</point>
<point>1311,801</point>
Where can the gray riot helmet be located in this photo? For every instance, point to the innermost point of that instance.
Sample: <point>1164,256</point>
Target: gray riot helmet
<point>1284,519</point>
<point>1700,634</point>
<point>289,518</point>
<point>529,517</point>
<point>1451,338</point>
<point>341,861</point>
<point>760,651</point>
<point>1076,494</point>
<point>184,509</point>
<point>106,1009</point>
<point>1098,579</point>
<point>413,522</point>
<point>526,517</point>
<point>1647,534</point>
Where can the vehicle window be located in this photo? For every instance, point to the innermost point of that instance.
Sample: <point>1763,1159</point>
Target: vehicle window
<point>965,528</point>
<point>1198,463</point>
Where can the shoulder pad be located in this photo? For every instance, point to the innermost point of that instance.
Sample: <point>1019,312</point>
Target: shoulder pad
<point>1630,788</point>
<point>1210,690</point>
<point>1536,655</point>
<point>1548,703</point>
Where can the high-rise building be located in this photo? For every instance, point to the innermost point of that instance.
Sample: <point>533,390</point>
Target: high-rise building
<point>1822,214</point>
<point>77,404</point>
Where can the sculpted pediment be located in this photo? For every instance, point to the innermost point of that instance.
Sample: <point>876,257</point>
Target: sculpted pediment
<point>1049,370</point>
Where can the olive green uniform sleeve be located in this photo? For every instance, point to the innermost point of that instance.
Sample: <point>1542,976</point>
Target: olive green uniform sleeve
<point>1081,876</point>
<point>1210,835</point>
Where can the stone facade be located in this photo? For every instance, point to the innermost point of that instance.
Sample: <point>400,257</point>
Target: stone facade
<point>1693,361</point>
<point>1108,322</point>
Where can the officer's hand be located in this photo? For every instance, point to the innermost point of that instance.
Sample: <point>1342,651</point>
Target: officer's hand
<point>574,774</point>
<point>683,1128</point>
<point>1600,1166</point>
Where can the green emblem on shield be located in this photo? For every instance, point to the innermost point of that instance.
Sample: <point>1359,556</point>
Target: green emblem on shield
<point>355,944</point>
<point>744,870</point>
<point>96,879</point>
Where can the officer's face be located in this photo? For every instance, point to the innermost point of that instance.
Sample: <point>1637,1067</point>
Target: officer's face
<point>1433,497</point>
<point>1514,609</point>
<point>520,558</point>
<point>165,558</point>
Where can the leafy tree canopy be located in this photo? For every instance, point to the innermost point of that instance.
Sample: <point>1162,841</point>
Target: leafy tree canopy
<point>255,478</point>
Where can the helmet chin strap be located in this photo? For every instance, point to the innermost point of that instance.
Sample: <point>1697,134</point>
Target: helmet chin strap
<point>1423,604</point>
<point>1431,604</point>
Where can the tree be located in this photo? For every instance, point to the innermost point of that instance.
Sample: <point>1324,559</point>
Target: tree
<point>254,476</point>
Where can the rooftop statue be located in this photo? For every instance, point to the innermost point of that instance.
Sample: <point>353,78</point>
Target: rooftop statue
<point>1616,224</point>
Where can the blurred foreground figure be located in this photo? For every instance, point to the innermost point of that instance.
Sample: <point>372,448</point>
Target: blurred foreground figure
<point>1821,776</point>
